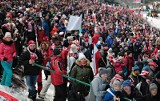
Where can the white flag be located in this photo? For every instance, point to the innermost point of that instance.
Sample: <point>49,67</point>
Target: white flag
<point>75,23</point>
<point>94,59</point>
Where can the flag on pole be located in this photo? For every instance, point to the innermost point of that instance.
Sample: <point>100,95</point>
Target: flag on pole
<point>94,59</point>
<point>74,23</point>
<point>94,17</point>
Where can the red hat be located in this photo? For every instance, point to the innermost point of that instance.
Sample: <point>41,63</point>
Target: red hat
<point>144,73</point>
<point>31,42</point>
<point>153,64</point>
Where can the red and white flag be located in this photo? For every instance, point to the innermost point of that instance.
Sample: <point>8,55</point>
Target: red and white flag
<point>96,57</point>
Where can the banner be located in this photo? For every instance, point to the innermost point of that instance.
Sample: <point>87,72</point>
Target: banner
<point>74,23</point>
<point>6,97</point>
<point>137,1</point>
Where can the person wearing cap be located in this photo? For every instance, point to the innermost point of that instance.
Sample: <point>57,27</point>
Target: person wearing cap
<point>134,76</point>
<point>129,91</point>
<point>144,82</point>
<point>153,93</point>
<point>113,92</point>
<point>27,59</point>
<point>7,53</point>
<point>57,79</point>
<point>83,72</point>
<point>98,85</point>
<point>157,81</point>
<point>151,69</point>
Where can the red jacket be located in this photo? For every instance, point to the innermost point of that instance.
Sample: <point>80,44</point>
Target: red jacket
<point>129,62</point>
<point>118,66</point>
<point>95,38</point>
<point>7,51</point>
<point>58,66</point>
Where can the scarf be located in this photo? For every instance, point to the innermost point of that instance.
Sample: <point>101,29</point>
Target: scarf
<point>33,55</point>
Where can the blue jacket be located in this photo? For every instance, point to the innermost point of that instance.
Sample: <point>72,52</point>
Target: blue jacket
<point>108,96</point>
<point>109,41</point>
<point>46,28</point>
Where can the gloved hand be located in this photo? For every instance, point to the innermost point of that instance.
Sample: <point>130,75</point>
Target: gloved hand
<point>5,59</point>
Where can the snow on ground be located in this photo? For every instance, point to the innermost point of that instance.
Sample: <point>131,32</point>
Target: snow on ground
<point>153,21</point>
<point>22,94</point>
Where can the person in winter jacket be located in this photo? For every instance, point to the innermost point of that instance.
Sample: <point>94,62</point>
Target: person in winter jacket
<point>57,79</point>
<point>137,50</point>
<point>46,26</point>
<point>130,92</point>
<point>82,71</point>
<point>157,81</point>
<point>153,95</point>
<point>129,62</point>
<point>32,30</point>
<point>118,65</point>
<point>98,85</point>
<point>7,53</point>
<point>143,85</point>
<point>134,76</point>
<point>43,49</point>
<point>112,91</point>
<point>27,59</point>
<point>151,69</point>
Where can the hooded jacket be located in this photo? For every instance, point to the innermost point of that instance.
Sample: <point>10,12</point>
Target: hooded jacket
<point>97,90</point>
<point>7,49</point>
<point>82,73</point>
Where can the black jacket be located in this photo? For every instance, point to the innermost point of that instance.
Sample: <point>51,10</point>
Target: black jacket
<point>28,68</point>
<point>158,85</point>
<point>134,95</point>
<point>148,97</point>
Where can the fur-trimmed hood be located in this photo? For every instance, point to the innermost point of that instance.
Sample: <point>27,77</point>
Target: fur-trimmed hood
<point>78,62</point>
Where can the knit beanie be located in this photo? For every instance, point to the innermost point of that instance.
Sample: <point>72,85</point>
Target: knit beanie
<point>116,83</point>
<point>7,34</point>
<point>126,83</point>
<point>102,71</point>
<point>81,56</point>
<point>31,42</point>
<point>152,86</point>
<point>135,68</point>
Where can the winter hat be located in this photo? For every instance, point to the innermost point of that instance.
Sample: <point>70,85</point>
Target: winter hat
<point>126,83</point>
<point>31,42</point>
<point>56,51</point>
<point>81,56</point>
<point>116,83</point>
<point>61,33</point>
<point>144,74</point>
<point>7,35</point>
<point>153,64</point>
<point>135,68</point>
<point>102,71</point>
<point>73,49</point>
<point>152,86</point>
